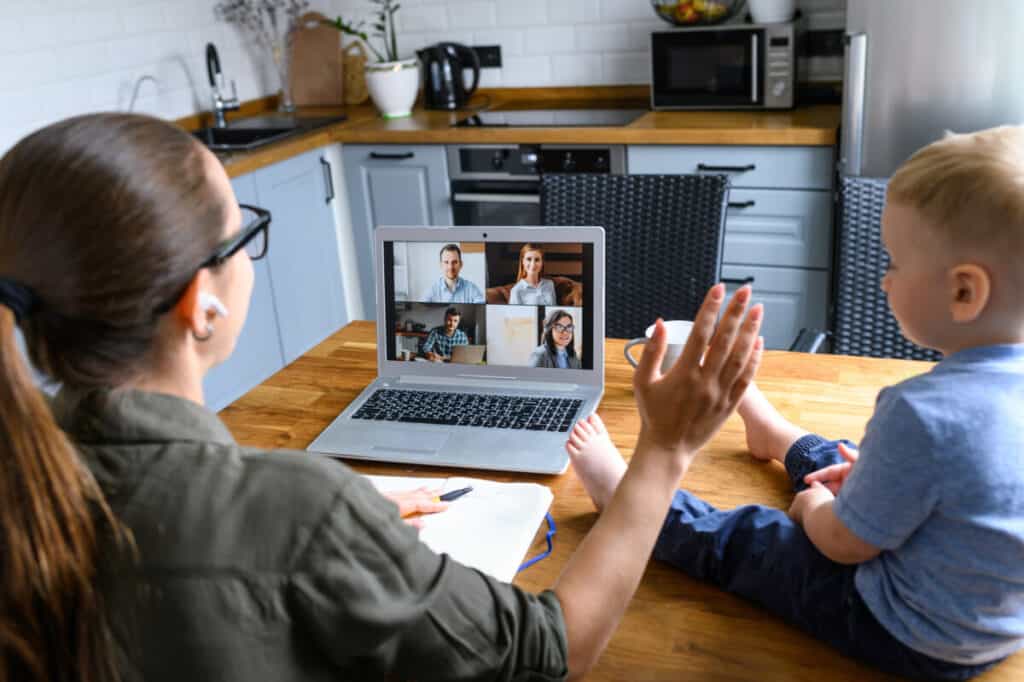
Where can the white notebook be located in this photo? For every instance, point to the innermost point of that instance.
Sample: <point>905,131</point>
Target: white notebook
<point>490,528</point>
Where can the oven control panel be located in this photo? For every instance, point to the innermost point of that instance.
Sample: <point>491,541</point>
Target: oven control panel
<point>491,162</point>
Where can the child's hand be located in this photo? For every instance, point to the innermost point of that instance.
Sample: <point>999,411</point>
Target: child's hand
<point>809,500</point>
<point>687,405</point>
<point>833,477</point>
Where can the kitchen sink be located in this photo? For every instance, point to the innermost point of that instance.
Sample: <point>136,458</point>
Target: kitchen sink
<point>256,131</point>
<point>230,139</point>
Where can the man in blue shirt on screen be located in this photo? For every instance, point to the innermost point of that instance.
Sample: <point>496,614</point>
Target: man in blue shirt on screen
<point>449,287</point>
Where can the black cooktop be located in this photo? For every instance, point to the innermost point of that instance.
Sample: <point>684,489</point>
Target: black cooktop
<point>558,118</point>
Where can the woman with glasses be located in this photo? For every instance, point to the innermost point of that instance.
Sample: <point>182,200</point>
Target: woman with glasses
<point>140,541</point>
<point>558,347</point>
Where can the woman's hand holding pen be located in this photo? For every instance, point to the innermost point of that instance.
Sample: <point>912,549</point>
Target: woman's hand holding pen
<point>412,504</point>
<point>682,409</point>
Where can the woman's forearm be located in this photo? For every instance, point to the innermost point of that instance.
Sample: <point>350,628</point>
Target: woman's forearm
<point>603,573</point>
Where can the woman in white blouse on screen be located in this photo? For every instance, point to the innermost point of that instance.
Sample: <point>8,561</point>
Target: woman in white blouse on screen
<point>530,288</point>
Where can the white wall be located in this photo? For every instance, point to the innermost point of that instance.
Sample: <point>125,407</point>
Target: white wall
<point>512,334</point>
<point>560,42</point>
<point>64,57</point>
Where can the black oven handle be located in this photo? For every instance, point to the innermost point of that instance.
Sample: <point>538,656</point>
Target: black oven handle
<point>495,198</point>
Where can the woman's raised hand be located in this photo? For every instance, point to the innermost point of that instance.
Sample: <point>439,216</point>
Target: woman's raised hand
<point>682,409</point>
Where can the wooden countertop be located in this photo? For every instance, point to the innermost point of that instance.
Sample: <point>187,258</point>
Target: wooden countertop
<point>675,628</point>
<point>810,126</point>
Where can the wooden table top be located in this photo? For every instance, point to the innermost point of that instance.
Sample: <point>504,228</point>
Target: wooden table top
<point>676,628</point>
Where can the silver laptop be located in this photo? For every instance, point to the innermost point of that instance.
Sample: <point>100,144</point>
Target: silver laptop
<point>476,367</point>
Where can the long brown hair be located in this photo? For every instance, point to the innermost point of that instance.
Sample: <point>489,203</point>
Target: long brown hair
<point>104,218</point>
<point>522,254</point>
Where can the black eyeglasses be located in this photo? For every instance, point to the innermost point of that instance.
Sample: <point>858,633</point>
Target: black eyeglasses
<point>254,237</point>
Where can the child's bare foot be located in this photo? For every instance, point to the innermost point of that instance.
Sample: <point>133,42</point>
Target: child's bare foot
<point>769,434</point>
<point>596,460</point>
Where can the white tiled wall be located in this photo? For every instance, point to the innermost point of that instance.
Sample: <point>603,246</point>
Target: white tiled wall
<point>562,42</point>
<point>64,57</point>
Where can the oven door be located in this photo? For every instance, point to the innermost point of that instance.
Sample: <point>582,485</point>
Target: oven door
<point>708,68</point>
<point>496,202</point>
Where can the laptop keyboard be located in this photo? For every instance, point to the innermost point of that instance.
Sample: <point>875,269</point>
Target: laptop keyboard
<point>470,409</point>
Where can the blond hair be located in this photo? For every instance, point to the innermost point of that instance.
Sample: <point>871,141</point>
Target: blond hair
<point>970,188</point>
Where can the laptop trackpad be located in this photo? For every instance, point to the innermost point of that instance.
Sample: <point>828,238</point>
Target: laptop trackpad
<point>410,441</point>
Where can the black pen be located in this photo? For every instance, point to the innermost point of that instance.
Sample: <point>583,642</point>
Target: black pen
<point>454,494</point>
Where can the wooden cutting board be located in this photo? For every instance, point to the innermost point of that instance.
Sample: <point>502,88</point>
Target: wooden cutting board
<point>317,75</point>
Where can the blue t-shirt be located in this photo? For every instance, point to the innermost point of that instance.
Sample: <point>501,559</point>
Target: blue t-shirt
<point>939,487</point>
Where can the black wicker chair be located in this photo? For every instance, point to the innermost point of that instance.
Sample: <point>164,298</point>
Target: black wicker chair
<point>863,323</point>
<point>663,239</point>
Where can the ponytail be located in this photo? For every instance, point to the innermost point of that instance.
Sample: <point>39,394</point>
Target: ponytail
<point>53,625</point>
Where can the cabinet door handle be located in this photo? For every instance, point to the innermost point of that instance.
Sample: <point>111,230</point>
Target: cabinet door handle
<point>726,169</point>
<point>742,204</point>
<point>392,157</point>
<point>479,198</point>
<point>738,281</point>
<point>328,179</point>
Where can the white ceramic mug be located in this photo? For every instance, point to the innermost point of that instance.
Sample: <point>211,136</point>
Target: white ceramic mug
<point>678,332</point>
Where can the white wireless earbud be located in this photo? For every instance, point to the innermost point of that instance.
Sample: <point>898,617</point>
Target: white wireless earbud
<point>211,302</point>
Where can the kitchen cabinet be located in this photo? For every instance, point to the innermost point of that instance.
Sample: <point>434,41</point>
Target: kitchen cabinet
<point>257,353</point>
<point>778,228</point>
<point>304,259</point>
<point>392,185</point>
<point>297,298</point>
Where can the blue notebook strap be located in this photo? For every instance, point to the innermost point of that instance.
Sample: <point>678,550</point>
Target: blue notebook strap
<point>547,537</point>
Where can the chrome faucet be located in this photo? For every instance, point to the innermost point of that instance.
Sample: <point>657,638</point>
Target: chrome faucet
<point>220,102</point>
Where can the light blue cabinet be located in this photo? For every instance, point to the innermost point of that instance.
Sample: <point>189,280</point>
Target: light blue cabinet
<point>778,228</point>
<point>392,185</point>
<point>257,353</point>
<point>298,297</point>
<point>304,258</point>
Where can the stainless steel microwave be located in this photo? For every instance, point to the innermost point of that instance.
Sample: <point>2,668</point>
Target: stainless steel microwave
<point>742,66</point>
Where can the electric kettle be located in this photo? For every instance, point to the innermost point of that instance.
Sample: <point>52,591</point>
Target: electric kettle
<point>444,84</point>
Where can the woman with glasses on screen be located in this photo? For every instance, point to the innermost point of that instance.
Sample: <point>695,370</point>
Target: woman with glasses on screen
<point>558,347</point>
<point>140,541</point>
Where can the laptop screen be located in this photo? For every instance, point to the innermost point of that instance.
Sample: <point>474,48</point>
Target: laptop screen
<point>509,304</point>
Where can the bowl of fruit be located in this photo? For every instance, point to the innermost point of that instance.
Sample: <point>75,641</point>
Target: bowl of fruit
<point>695,12</point>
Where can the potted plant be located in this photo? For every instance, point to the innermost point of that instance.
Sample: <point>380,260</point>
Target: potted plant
<point>393,83</point>
<point>273,23</point>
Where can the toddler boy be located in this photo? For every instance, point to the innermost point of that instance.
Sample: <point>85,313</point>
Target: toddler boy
<point>910,554</point>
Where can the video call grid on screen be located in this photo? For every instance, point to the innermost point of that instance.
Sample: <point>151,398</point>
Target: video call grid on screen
<point>492,316</point>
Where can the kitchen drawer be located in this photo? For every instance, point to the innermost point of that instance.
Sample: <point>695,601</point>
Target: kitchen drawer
<point>790,228</point>
<point>793,299</point>
<point>756,167</point>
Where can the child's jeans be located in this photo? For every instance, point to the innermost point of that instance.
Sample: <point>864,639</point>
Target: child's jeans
<point>758,553</point>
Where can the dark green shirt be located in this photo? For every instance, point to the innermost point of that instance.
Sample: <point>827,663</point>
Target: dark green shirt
<point>279,566</point>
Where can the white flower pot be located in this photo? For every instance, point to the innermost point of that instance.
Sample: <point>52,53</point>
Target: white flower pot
<point>771,11</point>
<point>393,86</point>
